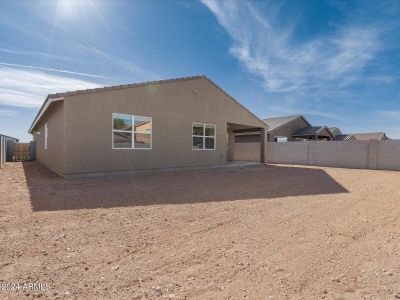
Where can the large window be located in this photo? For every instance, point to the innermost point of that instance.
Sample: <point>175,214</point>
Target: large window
<point>203,136</point>
<point>131,132</point>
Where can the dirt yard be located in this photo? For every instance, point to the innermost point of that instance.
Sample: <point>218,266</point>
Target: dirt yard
<point>261,232</point>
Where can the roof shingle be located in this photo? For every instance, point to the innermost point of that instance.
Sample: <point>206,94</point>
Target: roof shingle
<point>310,131</point>
<point>365,136</point>
<point>342,137</point>
<point>274,123</point>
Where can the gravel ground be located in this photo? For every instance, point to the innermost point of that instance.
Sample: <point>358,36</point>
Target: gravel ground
<point>261,232</point>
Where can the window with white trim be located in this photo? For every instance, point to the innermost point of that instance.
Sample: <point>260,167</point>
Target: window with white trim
<point>46,134</point>
<point>203,136</point>
<point>131,132</point>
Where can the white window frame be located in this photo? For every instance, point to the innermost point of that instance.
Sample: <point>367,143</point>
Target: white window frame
<point>131,131</point>
<point>204,136</point>
<point>46,135</point>
<point>281,137</point>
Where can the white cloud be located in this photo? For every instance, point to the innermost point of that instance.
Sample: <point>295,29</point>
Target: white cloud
<point>54,70</point>
<point>23,88</point>
<point>393,114</point>
<point>269,50</point>
<point>8,113</point>
<point>38,54</point>
<point>139,72</point>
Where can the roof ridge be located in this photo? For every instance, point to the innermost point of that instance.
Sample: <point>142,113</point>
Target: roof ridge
<point>382,132</point>
<point>291,116</point>
<point>124,86</point>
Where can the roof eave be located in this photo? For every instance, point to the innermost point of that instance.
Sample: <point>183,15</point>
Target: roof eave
<point>49,100</point>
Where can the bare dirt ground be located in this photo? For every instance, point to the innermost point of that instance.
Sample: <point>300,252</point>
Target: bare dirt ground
<point>261,232</point>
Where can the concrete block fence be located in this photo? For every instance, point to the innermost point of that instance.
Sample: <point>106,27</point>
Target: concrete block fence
<point>373,154</point>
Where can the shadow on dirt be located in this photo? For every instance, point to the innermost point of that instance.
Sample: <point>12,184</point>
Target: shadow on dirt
<point>49,192</point>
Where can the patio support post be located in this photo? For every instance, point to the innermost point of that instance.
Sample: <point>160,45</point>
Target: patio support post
<point>262,146</point>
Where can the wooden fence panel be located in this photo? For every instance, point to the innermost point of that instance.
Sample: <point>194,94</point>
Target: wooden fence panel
<point>21,152</point>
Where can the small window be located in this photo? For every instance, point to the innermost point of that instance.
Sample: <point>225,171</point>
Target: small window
<point>46,134</point>
<point>131,132</point>
<point>281,139</point>
<point>203,136</point>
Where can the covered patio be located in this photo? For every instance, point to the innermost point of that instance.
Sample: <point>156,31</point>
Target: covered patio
<point>245,143</point>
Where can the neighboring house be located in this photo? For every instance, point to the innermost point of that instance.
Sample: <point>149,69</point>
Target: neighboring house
<point>335,131</point>
<point>283,128</point>
<point>338,136</point>
<point>280,129</point>
<point>370,136</point>
<point>4,139</point>
<point>289,129</point>
<point>183,122</point>
<point>343,137</point>
<point>314,133</point>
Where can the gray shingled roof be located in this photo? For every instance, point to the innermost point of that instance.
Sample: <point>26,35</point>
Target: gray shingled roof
<point>335,131</point>
<point>310,131</point>
<point>342,137</point>
<point>369,136</point>
<point>274,123</point>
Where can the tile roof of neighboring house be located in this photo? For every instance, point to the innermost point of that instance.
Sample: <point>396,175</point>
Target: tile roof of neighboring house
<point>311,131</point>
<point>342,137</point>
<point>59,96</point>
<point>335,131</point>
<point>275,123</point>
<point>370,136</point>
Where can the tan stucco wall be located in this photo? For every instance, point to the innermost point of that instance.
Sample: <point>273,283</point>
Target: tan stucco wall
<point>53,157</point>
<point>246,152</point>
<point>173,107</point>
<point>288,130</point>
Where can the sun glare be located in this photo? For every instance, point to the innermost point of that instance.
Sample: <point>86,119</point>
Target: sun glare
<point>71,8</point>
<point>67,7</point>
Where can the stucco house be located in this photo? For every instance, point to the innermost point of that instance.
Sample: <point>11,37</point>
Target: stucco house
<point>343,137</point>
<point>184,122</point>
<point>380,136</point>
<point>313,133</point>
<point>283,128</point>
<point>278,129</point>
<point>287,129</point>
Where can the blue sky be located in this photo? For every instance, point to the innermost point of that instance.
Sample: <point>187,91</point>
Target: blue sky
<point>336,62</point>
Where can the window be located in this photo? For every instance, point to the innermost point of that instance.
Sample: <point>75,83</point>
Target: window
<point>281,139</point>
<point>203,136</point>
<point>46,134</point>
<point>131,132</point>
